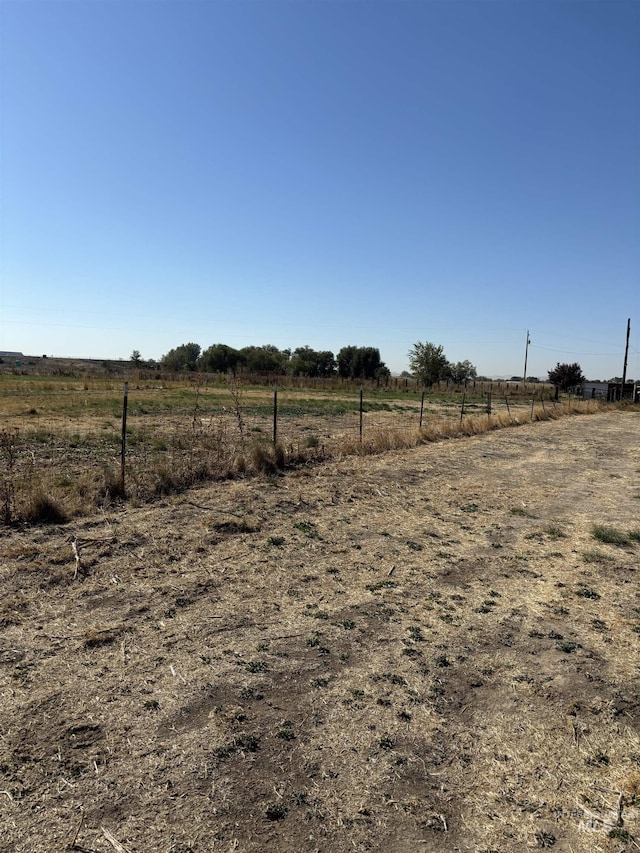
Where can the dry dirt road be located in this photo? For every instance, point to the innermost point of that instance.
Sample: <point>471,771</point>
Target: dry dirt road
<point>427,650</point>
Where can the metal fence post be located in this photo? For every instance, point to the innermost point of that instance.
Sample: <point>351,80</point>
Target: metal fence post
<point>123,447</point>
<point>275,414</point>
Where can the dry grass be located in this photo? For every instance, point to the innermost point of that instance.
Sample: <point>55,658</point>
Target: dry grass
<point>65,464</point>
<point>416,650</point>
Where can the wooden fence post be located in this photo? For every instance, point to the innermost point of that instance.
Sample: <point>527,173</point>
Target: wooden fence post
<point>421,407</point>
<point>489,402</point>
<point>508,409</point>
<point>533,399</point>
<point>464,394</point>
<point>361,410</point>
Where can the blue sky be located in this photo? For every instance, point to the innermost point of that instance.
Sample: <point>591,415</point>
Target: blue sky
<point>322,173</point>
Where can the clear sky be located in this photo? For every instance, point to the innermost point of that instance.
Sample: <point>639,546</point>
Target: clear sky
<point>322,173</point>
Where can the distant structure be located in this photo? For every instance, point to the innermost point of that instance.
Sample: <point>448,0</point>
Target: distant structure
<point>610,391</point>
<point>12,355</point>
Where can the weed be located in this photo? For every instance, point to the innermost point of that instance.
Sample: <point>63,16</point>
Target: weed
<point>247,742</point>
<point>250,693</point>
<point>385,584</point>
<point>609,535</point>
<point>620,834</point>
<point>285,733</point>
<point>568,646</point>
<point>587,592</point>
<point>308,528</point>
<point>152,705</point>
<point>276,541</point>
<point>256,666</point>
<point>600,759</point>
<point>554,531</point>
<point>276,811</point>
<point>414,546</point>
<point>597,557</point>
<point>545,839</point>
<point>521,511</point>
<point>43,509</point>
<point>411,652</point>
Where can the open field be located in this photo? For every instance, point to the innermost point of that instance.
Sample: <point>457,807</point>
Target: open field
<point>432,649</point>
<point>60,443</point>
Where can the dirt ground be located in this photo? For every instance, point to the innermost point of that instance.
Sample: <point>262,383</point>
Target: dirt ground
<point>426,650</point>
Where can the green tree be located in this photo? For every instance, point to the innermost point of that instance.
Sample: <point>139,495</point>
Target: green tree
<point>428,363</point>
<point>136,358</point>
<point>184,357</point>
<point>566,376</point>
<point>221,358</point>
<point>309,362</point>
<point>361,363</point>
<point>264,359</point>
<point>461,371</point>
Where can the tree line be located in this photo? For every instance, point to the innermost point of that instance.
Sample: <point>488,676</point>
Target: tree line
<point>352,362</point>
<point>427,362</point>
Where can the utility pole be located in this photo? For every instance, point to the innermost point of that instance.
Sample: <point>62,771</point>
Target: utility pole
<point>526,353</point>
<point>626,353</point>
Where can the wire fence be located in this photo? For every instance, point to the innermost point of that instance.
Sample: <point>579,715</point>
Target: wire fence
<point>144,438</point>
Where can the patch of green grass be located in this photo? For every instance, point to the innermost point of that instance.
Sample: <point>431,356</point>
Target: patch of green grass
<point>610,535</point>
<point>286,733</point>
<point>597,557</point>
<point>308,528</point>
<point>276,541</point>
<point>568,646</point>
<point>554,531</point>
